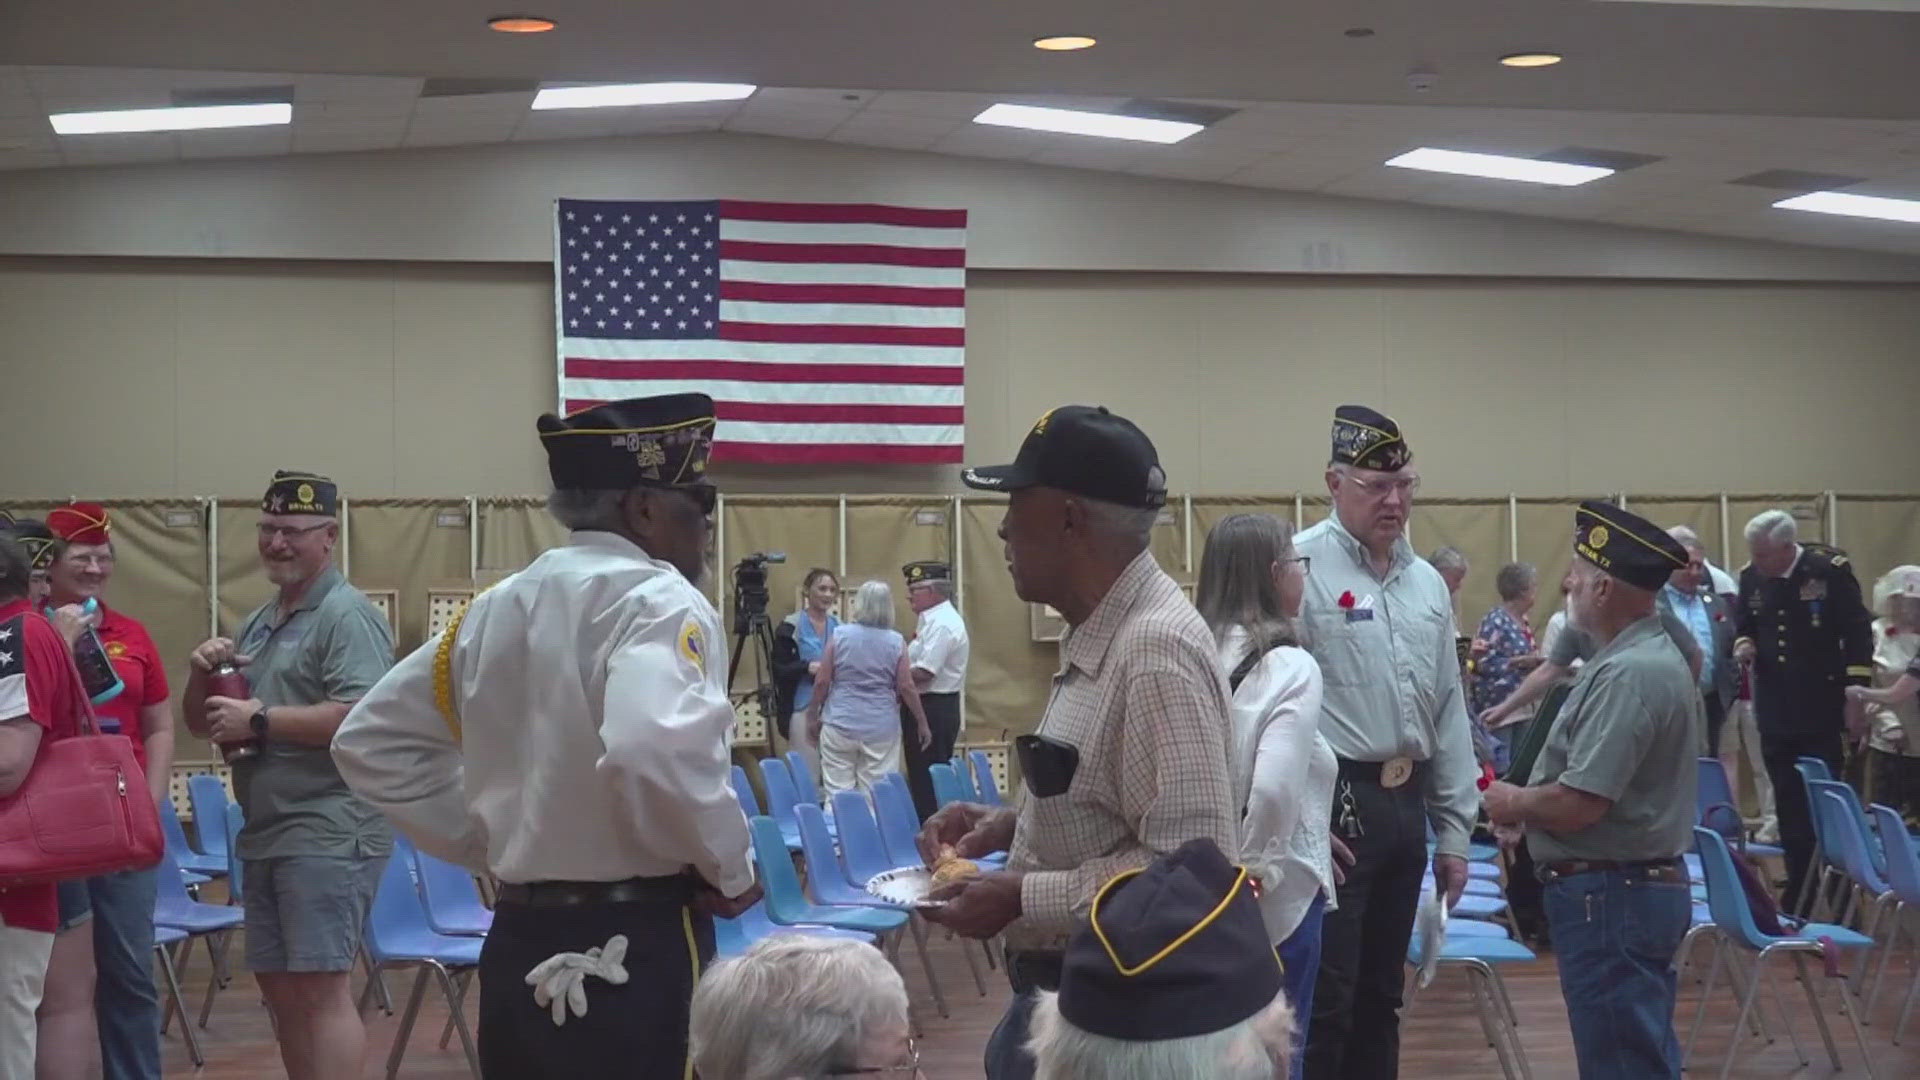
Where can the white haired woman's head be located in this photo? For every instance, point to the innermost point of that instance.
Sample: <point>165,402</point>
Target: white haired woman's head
<point>796,1005</point>
<point>873,605</point>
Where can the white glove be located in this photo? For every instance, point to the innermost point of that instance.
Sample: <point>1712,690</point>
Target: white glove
<point>560,980</point>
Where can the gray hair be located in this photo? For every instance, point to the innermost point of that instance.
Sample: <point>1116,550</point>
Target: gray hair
<point>1257,1048</point>
<point>793,1005</point>
<point>587,508</point>
<point>1449,558</point>
<point>873,605</point>
<point>1236,587</point>
<point>1687,538</point>
<point>942,587</point>
<point>1113,521</point>
<point>1773,526</point>
<point>1514,579</point>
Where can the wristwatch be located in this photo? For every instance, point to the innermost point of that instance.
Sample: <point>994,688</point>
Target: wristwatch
<point>260,725</point>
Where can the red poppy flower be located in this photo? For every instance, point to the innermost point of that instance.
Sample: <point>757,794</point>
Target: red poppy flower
<point>1346,600</point>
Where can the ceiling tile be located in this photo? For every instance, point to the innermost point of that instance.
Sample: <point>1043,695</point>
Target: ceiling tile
<point>29,159</point>
<point>565,124</point>
<point>894,130</point>
<point>794,122</point>
<point>833,99</point>
<point>368,108</point>
<point>930,104</point>
<point>471,105</point>
<point>354,88</point>
<point>118,148</point>
<point>1195,166</point>
<point>981,140</point>
<point>237,142</point>
<point>329,137</point>
<point>1081,152</point>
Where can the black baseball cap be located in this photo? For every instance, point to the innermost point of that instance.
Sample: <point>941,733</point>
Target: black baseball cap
<point>1085,450</point>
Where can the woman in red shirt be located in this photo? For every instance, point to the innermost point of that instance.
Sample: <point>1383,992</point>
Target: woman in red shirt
<point>122,1001</point>
<point>36,708</point>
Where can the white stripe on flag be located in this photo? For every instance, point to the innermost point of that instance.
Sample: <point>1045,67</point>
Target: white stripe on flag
<point>807,232</point>
<point>928,277</point>
<point>754,431</point>
<point>13,692</point>
<point>759,352</point>
<point>776,393</point>
<point>762,311</point>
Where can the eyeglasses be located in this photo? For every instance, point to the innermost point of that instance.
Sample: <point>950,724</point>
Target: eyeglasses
<point>1379,489</point>
<point>909,1065</point>
<point>289,533</point>
<point>1305,561</point>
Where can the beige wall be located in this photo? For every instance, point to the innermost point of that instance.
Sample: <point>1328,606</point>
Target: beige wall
<point>150,378</point>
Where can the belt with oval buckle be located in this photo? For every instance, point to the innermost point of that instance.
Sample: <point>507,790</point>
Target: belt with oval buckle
<point>1395,771</point>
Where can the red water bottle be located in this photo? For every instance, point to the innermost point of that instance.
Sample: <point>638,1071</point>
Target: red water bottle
<point>226,681</point>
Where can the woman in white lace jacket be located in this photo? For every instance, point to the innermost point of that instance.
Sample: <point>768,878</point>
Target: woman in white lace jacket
<point>1251,583</point>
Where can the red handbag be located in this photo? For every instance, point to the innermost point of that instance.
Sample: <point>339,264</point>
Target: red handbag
<point>83,810</point>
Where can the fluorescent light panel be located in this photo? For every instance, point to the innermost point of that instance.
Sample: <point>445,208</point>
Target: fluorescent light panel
<point>1861,206</point>
<point>1075,122</point>
<point>192,118</point>
<point>1498,167</point>
<point>620,95</point>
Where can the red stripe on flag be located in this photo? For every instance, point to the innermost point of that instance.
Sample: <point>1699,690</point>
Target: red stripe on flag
<point>904,295</point>
<point>641,371</point>
<point>875,254</point>
<point>781,413</point>
<point>843,214</point>
<point>837,453</point>
<point>812,334</point>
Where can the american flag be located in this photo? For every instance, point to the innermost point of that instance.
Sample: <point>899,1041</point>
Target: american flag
<point>824,332</point>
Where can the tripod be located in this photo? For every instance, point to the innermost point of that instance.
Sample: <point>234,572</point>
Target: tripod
<point>752,632</point>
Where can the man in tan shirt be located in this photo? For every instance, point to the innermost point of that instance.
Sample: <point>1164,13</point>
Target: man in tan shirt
<point>1130,759</point>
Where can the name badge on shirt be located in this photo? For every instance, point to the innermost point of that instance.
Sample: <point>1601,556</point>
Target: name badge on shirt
<point>1359,614</point>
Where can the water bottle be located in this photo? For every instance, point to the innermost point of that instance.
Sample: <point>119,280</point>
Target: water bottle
<point>96,668</point>
<point>226,681</point>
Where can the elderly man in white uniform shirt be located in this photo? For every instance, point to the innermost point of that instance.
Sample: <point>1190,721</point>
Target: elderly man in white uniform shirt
<point>938,657</point>
<point>568,736</point>
<point>1378,619</point>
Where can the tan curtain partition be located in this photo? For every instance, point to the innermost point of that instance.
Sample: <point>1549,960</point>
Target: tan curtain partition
<point>1699,513</point>
<point>805,528</point>
<point>243,583</point>
<point>1880,532</point>
<point>1478,527</point>
<point>160,578</point>
<point>1545,528</point>
<point>513,532</point>
<point>886,533</point>
<point>1169,542</point>
<point>1008,674</point>
<point>402,545</point>
<point>1810,511</point>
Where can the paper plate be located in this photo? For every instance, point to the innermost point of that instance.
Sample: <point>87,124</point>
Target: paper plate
<point>908,885</point>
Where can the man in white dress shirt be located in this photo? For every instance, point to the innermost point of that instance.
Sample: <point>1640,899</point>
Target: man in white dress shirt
<point>938,657</point>
<point>568,735</point>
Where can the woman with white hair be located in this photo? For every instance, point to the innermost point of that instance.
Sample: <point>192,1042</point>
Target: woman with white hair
<point>853,717</point>
<point>795,1007</point>
<point>1893,713</point>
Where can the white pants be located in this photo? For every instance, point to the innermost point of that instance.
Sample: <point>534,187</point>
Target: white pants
<point>1741,735</point>
<point>797,740</point>
<point>851,764</point>
<point>23,976</point>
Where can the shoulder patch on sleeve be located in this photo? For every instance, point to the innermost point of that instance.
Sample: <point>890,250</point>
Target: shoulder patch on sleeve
<point>693,644</point>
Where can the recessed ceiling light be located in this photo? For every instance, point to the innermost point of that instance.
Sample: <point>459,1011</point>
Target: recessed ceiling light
<point>1861,206</point>
<point>662,93</point>
<point>1064,42</point>
<point>1075,122</point>
<point>194,118</point>
<point>519,24</point>
<point>1359,31</point>
<point>1531,59</point>
<point>1498,167</point>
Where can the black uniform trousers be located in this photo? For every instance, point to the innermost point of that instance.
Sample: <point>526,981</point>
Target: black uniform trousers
<point>638,1029</point>
<point>1779,751</point>
<point>943,719</point>
<point>1355,1033</point>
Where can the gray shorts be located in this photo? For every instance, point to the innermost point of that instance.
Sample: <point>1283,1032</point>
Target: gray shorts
<point>305,913</point>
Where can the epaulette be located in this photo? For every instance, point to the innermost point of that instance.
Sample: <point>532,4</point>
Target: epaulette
<point>1833,555</point>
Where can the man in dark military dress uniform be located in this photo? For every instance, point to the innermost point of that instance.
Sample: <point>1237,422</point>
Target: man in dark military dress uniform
<point>1802,625</point>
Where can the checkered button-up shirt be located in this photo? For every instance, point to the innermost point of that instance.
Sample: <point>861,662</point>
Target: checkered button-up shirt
<point>1141,696</point>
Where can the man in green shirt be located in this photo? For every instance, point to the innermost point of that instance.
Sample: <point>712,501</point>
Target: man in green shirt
<point>311,851</point>
<point>1609,808</point>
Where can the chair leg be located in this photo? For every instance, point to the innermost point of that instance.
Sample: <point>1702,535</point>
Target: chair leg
<point>173,1003</point>
<point>456,999</point>
<point>919,932</point>
<point>461,979</point>
<point>1713,976</point>
<point>1780,1003</point>
<point>217,947</point>
<point>376,980</point>
<point>973,966</point>
<point>1913,993</point>
<point>1483,1007</point>
<point>1853,1020</point>
<point>1740,1022</point>
<point>1898,923</point>
<point>1819,1014</point>
<point>405,1032</point>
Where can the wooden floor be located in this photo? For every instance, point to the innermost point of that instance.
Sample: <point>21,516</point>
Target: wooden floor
<point>1441,1036</point>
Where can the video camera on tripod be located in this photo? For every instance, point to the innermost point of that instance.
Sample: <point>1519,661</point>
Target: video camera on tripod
<point>753,631</point>
<point>750,594</point>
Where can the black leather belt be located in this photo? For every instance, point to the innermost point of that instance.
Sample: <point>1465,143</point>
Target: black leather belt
<point>675,889</point>
<point>1393,773</point>
<point>1653,869</point>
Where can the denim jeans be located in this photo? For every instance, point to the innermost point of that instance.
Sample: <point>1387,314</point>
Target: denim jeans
<point>1615,933</point>
<point>124,995</point>
<point>1300,969</point>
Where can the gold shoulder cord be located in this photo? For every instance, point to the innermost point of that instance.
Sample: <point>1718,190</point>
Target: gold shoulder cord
<point>443,673</point>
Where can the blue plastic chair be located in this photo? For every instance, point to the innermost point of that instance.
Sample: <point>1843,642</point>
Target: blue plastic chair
<point>735,936</point>
<point>1472,906</point>
<point>1903,873</point>
<point>164,940</point>
<point>1481,887</point>
<point>1859,813</point>
<point>1482,871</point>
<point>236,886</point>
<point>184,857</point>
<point>964,772</point>
<point>827,880</point>
<point>1870,889</point>
<point>1477,953</point>
<point>399,935</point>
<point>787,903</point>
<point>988,787</point>
<point>781,799</point>
<point>1719,810</point>
<point>899,821</point>
<point>743,791</point>
<point>1733,921</point>
<point>452,899</point>
<point>947,788</point>
<point>214,923</point>
<point>862,850</point>
<point>802,777</point>
<point>208,798</point>
<point>1814,768</point>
